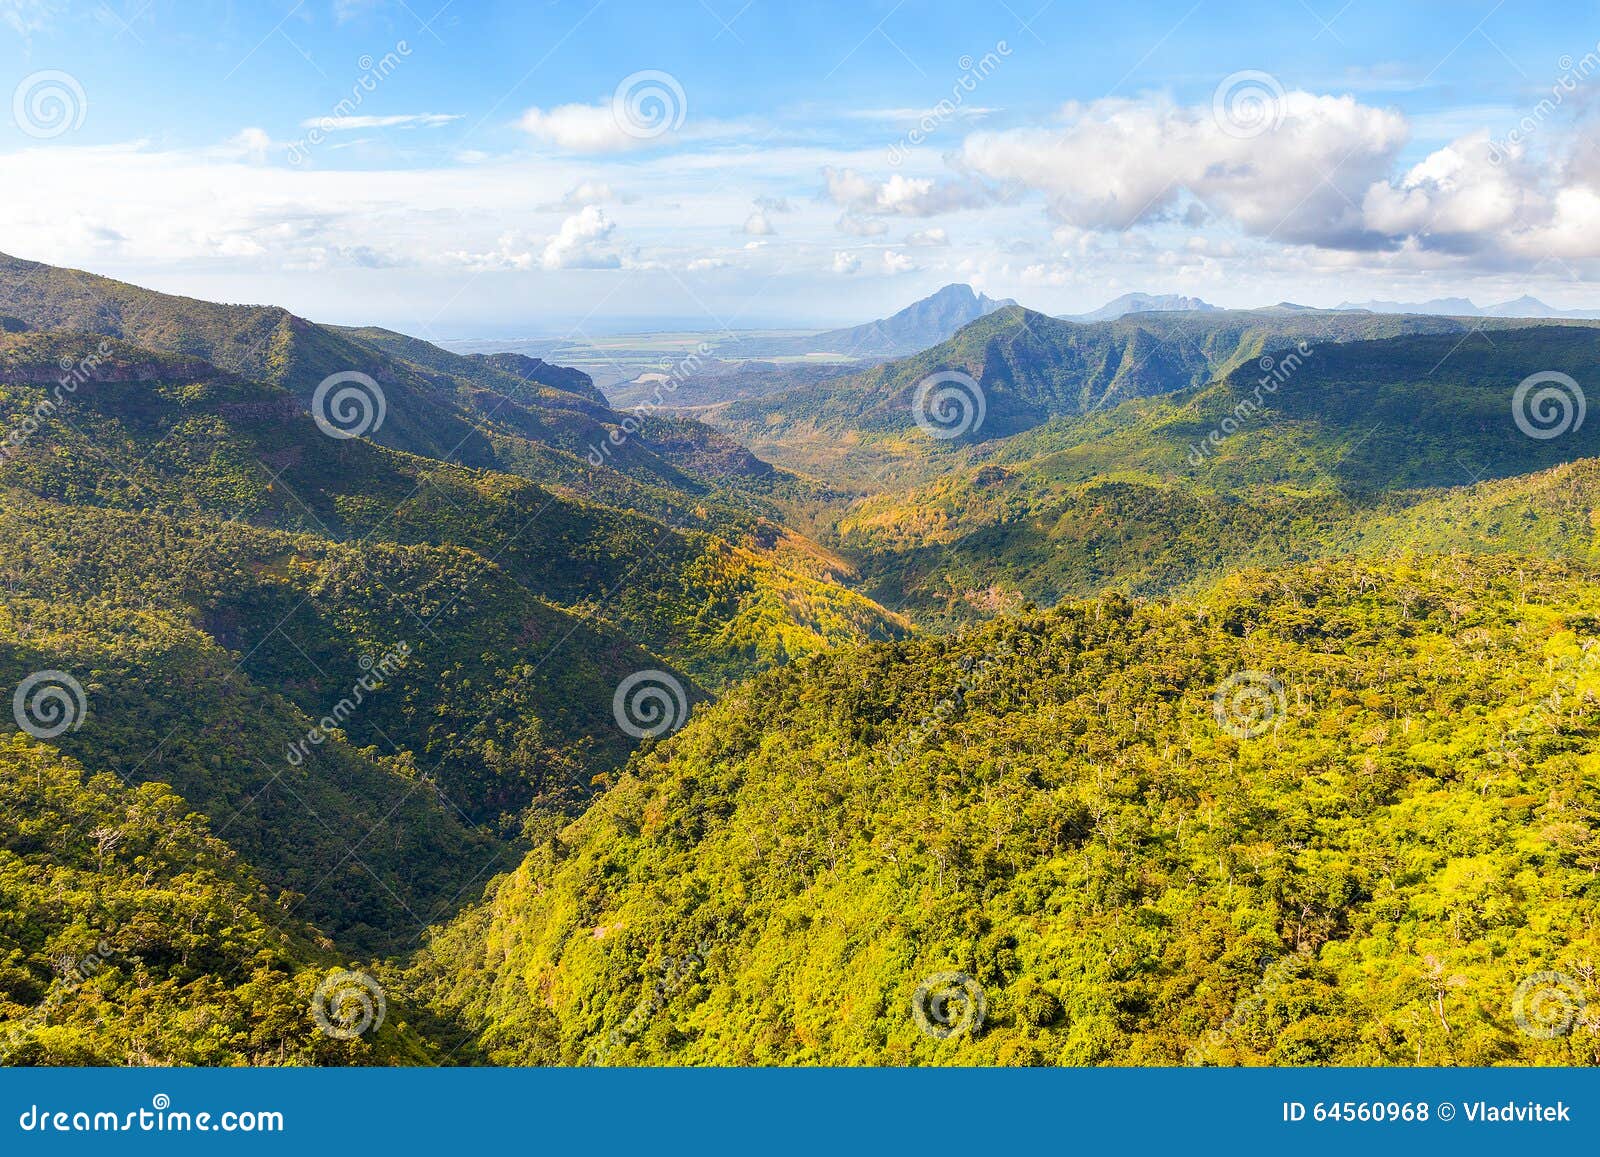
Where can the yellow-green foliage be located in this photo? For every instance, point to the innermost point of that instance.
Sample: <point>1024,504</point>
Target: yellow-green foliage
<point>1368,881</point>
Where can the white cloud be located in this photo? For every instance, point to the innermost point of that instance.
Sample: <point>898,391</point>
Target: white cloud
<point>579,128</point>
<point>929,238</point>
<point>580,243</point>
<point>900,195</point>
<point>1117,164</point>
<point>845,262</point>
<point>1457,197</point>
<point>250,143</point>
<point>25,17</point>
<point>757,225</point>
<point>588,193</point>
<point>706,264</point>
<point>894,263</point>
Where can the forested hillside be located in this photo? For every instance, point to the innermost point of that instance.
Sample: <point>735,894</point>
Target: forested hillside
<point>1030,368</point>
<point>1363,859</point>
<point>1355,448</point>
<point>1168,719</point>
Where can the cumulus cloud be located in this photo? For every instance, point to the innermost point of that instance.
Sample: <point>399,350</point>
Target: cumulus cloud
<point>580,243</point>
<point>845,262</point>
<point>894,263</point>
<point>579,128</point>
<point>929,238</point>
<point>757,225</point>
<point>1458,198</point>
<point>706,264</point>
<point>899,196</point>
<point>1117,164</point>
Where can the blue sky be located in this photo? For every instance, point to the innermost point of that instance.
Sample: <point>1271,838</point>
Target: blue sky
<point>470,170</point>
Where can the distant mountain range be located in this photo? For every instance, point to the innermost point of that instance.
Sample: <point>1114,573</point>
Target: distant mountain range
<point>1143,303</point>
<point>1524,306</point>
<point>1032,368</point>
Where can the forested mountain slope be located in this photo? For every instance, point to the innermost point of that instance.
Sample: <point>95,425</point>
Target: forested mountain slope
<point>129,934</point>
<point>1031,368</point>
<point>140,431</point>
<point>1369,861</point>
<point>1362,447</point>
<point>517,415</point>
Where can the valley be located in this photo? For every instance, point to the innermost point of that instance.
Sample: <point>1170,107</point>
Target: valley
<point>703,719</point>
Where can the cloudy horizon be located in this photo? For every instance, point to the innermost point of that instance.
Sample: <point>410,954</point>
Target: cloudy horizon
<point>603,170</point>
